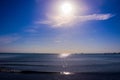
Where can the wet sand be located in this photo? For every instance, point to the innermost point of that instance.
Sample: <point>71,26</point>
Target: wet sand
<point>12,74</point>
<point>56,76</point>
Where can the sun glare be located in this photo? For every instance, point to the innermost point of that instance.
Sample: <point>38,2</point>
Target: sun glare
<point>66,8</point>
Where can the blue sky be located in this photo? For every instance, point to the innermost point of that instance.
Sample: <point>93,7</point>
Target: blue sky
<point>38,26</point>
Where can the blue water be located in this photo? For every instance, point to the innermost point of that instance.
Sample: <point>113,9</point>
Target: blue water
<point>58,63</point>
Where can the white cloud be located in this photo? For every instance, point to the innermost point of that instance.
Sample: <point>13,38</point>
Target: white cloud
<point>95,17</point>
<point>61,21</point>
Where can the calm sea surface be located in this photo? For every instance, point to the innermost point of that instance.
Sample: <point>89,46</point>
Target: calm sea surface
<point>61,62</point>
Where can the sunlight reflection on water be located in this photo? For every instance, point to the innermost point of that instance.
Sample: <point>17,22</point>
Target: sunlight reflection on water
<point>64,55</point>
<point>66,73</point>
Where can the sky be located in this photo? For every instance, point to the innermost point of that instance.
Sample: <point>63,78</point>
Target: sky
<point>60,26</point>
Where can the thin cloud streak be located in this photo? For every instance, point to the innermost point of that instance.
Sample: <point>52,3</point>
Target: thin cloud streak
<point>8,39</point>
<point>95,17</point>
<point>31,30</point>
<point>60,21</point>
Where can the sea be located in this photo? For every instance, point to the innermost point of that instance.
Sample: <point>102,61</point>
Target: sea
<point>61,66</point>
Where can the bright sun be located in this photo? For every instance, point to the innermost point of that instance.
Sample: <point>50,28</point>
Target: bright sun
<point>66,8</point>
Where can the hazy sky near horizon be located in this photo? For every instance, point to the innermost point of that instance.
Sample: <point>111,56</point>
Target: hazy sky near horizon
<point>58,26</point>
